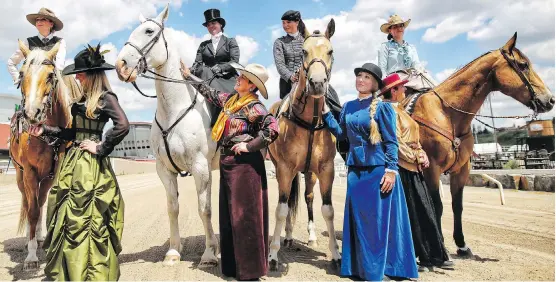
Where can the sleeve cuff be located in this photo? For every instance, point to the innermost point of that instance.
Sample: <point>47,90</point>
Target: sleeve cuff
<point>391,170</point>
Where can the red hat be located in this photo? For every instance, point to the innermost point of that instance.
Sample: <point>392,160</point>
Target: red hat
<point>391,81</point>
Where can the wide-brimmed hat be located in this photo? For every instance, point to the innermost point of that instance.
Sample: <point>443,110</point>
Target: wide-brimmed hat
<point>256,73</point>
<point>90,59</point>
<point>47,14</point>
<point>393,20</point>
<point>372,69</point>
<point>213,15</point>
<point>392,81</point>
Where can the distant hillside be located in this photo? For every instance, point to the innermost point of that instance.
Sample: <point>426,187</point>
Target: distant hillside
<point>505,138</point>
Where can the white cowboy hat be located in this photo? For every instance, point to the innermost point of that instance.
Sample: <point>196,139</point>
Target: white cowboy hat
<point>47,14</point>
<point>393,20</point>
<point>256,73</point>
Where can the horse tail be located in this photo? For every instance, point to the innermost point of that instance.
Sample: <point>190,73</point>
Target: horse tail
<point>293,200</point>
<point>23,214</point>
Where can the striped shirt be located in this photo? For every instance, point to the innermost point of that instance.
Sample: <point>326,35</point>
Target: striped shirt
<point>288,55</point>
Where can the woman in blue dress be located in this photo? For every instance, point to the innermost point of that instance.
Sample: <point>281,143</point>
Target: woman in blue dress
<point>377,233</point>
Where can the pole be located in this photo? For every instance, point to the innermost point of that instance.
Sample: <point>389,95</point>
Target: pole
<point>493,126</point>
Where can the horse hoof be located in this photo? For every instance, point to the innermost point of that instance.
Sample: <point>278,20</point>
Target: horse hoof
<point>465,253</point>
<point>171,260</point>
<point>273,265</point>
<point>288,243</point>
<point>312,243</point>
<point>30,265</point>
<point>207,264</point>
<point>337,264</point>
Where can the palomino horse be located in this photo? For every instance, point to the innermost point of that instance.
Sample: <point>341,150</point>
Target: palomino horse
<point>445,116</point>
<point>302,146</point>
<point>46,100</point>
<point>181,139</point>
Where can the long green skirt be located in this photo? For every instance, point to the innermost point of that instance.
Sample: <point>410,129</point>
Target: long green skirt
<point>85,220</point>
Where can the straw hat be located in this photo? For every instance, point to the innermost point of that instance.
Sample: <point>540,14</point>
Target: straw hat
<point>393,20</point>
<point>256,73</point>
<point>47,14</point>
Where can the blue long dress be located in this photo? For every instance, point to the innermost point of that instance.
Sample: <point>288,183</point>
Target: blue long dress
<point>377,233</point>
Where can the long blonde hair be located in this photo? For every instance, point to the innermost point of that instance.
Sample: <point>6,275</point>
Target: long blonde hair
<point>94,87</point>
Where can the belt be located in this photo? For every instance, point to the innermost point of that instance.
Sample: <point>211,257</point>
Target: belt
<point>227,151</point>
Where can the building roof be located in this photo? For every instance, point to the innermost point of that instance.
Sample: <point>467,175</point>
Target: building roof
<point>487,148</point>
<point>140,123</point>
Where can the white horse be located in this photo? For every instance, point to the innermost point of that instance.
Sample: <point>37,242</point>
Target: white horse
<point>189,146</point>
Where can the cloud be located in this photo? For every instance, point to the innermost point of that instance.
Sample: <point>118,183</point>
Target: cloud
<point>84,21</point>
<point>441,76</point>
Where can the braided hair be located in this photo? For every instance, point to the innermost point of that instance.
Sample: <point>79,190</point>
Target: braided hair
<point>374,135</point>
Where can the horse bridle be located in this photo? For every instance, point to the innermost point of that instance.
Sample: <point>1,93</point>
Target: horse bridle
<point>147,48</point>
<point>513,64</point>
<point>52,76</point>
<point>318,60</point>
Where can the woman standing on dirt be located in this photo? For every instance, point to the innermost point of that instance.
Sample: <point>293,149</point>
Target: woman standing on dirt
<point>85,216</point>
<point>426,232</point>
<point>243,128</point>
<point>377,234</point>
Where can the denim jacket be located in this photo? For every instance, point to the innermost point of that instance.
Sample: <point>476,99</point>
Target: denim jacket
<point>393,57</point>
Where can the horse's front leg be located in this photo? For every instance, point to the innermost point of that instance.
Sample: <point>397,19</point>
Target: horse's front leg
<point>326,179</point>
<point>310,180</point>
<point>457,183</point>
<point>170,182</point>
<point>203,181</point>
<point>284,175</point>
<point>31,187</point>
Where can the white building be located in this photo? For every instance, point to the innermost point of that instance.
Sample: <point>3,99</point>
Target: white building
<point>7,106</point>
<point>137,142</point>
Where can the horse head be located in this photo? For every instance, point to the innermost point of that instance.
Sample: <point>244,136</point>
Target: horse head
<point>144,49</point>
<point>514,76</point>
<point>39,80</point>
<point>318,60</point>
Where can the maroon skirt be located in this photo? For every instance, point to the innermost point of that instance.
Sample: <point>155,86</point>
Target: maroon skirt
<point>243,216</point>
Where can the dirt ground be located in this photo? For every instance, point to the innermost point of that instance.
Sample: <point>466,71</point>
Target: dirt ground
<point>511,242</point>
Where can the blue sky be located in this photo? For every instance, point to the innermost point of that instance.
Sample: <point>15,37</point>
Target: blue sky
<point>447,34</point>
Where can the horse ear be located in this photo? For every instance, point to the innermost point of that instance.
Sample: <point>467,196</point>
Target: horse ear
<point>330,29</point>
<point>52,53</point>
<point>24,49</point>
<point>163,16</point>
<point>142,18</point>
<point>510,45</point>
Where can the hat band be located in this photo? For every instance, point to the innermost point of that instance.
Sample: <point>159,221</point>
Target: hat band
<point>391,85</point>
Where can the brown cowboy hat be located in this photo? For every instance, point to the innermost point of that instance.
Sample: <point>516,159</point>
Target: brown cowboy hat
<point>47,14</point>
<point>393,20</point>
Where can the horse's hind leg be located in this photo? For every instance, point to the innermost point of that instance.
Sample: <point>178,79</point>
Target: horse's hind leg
<point>326,178</point>
<point>310,180</point>
<point>169,180</point>
<point>457,183</point>
<point>203,180</point>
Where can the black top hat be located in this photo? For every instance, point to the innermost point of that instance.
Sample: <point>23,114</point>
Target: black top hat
<point>213,15</point>
<point>373,70</point>
<point>90,59</point>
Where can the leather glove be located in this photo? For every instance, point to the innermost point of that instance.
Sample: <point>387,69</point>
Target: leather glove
<point>216,69</point>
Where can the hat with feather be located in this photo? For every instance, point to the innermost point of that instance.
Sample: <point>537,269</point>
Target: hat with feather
<point>88,60</point>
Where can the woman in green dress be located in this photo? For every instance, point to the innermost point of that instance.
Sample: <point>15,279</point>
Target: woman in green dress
<point>85,215</point>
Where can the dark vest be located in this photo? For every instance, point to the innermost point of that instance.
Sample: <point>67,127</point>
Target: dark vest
<point>36,42</point>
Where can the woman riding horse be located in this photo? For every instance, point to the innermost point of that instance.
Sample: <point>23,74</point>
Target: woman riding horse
<point>47,24</point>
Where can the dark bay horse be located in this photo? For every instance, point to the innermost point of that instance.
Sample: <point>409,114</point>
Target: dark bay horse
<point>46,100</point>
<point>304,145</point>
<point>445,115</point>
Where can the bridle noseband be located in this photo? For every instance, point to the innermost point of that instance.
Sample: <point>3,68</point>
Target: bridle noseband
<point>318,60</point>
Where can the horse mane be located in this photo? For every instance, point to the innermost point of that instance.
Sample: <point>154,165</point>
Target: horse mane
<point>465,67</point>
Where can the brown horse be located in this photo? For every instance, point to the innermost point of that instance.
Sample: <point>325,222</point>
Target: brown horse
<point>304,146</point>
<point>46,100</point>
<point>445,116</point>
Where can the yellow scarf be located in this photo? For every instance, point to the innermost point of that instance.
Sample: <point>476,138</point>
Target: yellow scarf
<point>233,105</point>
